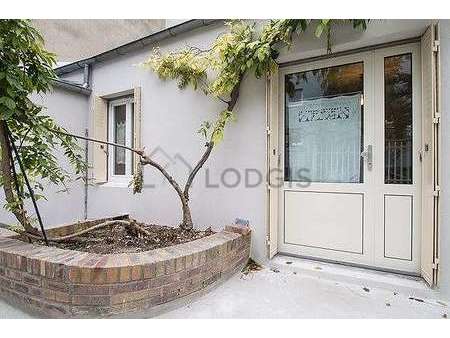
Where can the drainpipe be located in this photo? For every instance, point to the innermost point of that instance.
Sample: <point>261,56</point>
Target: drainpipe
<point>86,177</point>
<point>86,76</point>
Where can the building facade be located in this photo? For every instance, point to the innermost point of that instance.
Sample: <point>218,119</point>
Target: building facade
<point>335,157</point>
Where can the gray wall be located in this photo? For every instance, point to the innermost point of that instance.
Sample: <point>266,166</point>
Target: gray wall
<point>445,164</point>
<point>76,39</point>
<point>70,110</point>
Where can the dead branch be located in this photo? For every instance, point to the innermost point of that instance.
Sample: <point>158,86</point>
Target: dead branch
<point>140,230</point>
<point>130,223</point>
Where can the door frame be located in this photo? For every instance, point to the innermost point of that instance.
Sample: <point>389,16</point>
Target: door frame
<point>275,102</point>
<point>316,187</point>
<point>414,190</point>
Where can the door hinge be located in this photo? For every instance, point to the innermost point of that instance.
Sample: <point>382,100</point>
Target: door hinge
<point>437,118</point>
<point>436,264</point>
<point>268,131</point>
<point>436,46</point>
<point>437,191</point>
<point>267,240</point>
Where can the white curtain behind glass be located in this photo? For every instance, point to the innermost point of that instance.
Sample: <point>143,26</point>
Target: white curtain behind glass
<point>325,139</point>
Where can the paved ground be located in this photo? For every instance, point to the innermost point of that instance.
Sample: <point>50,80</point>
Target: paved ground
<point>296,288</point>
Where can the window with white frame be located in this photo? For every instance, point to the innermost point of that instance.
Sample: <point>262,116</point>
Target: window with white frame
<point>120,131</point>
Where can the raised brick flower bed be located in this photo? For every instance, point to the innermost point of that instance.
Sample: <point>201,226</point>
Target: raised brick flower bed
<point>53,282</point>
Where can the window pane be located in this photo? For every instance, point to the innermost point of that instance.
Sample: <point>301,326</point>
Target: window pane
<point>119,138</point>
<point>324,124</point>
<point>398,119</point>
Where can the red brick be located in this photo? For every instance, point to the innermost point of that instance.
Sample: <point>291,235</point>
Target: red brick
<point>61,282</point>
<point>55,285</point>
<point>149,271</point>
<point>98,276</point>
<point>169,266</point>
<point>112,275</point>
<point>136,272</point>
<point>85,275</point>
<point>129,287</point>
<point>74,274</point>
<point>62,297</point>
<point>83,289</point>
<point>160,268</point>
<point>91,300</point>
<point>239,229</point>
<point>125,274</point>
<point>180,264</point>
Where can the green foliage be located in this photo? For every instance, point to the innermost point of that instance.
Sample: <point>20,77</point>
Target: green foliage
<point>219,126</point>
<point>326,26</point>
<point>138,180</point>
<point>242,50</point>
<point>185,67</point>
<point>214,132</point>
<point>26,68</point>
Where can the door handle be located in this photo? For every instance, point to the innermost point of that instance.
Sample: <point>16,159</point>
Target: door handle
<point>368,156</point>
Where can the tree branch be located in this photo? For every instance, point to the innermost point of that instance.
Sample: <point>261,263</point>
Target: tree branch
<point>131,223</point>
<point>137,151</point>
<point>234,94</point>
<point>201,162</point>
<point>147,160</point>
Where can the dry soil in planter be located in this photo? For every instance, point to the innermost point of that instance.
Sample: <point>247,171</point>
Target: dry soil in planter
<point>119,239</point>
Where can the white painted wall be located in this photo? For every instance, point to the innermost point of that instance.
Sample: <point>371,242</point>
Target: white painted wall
<point>170,120</point>
<point>77,76</point>
<point>346,38</point>
<point>70,110</point>
<point>445,160</point>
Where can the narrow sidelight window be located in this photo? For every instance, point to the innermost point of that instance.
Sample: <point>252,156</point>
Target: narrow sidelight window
<point>398,126</point>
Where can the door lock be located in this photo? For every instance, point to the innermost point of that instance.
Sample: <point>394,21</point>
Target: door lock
<point>368,156</point>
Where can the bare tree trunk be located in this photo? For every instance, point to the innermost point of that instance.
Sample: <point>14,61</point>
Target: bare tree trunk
<point>201,162</point>
<point>187,219</point>
<point>7,176</point>
<point>187,223</point>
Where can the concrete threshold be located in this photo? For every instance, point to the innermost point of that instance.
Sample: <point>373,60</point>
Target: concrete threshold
<point>369,278</point>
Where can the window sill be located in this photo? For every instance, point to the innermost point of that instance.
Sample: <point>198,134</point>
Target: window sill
<point>115,184</point>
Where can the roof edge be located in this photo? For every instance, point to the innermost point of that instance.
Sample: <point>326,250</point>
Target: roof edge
<point>72,87</point>
<point>136,44</point>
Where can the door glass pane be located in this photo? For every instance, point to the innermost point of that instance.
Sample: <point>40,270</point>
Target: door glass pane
<point>398,119</point>
<point>324,124</point>
<point>119,138</point>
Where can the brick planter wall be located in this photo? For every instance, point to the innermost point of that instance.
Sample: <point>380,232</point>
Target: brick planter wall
<point>53,282</point>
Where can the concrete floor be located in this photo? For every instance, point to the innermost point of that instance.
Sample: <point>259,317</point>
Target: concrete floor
<point>296,288</point>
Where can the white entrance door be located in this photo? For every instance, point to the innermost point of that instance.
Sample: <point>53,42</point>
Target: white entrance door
<point>350,154</point>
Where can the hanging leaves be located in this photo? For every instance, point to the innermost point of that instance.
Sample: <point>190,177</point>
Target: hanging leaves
<point>26,68</point>
<point>138,180</point>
